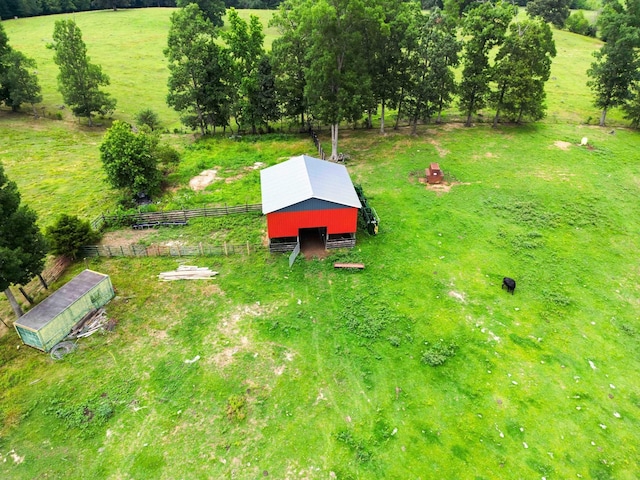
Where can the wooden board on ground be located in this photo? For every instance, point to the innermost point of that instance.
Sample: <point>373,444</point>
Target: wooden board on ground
<point>188,272</point>
<point>358,266</point>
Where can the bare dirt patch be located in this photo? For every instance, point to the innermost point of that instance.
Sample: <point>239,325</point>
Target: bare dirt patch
<point>124,237</point>
<point>202,181</point>
<point>442,152</point>
<point>458,296</point>
<point>562,145</point>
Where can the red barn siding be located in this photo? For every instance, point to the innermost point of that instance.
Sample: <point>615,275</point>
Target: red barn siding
<point>343,220</point>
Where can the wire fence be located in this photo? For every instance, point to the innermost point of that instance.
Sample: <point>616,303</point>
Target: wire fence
<point>200,250</point>
<point>170,216</point>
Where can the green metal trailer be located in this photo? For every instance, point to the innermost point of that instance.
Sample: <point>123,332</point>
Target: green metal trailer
<point>51,320</point>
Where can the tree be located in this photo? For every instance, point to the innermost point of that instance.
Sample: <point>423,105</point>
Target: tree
<point>617,64</point>
<point>21,85</point>
<point>22,245</point>
<point>148,117</point>
<point>79,81</point>
<point>213,10</point>
<point>553,11</point>
<point>5,49</point>
<point>201,71</point>
<point>578,23</point>
<point>245,43</point>
<point>111,4</point>
<point>264,100</point>
<point>69,234</point>
<point>485,26</point>
<point>433,82</point>
<point>522,67</point>
<point>632,107</point>
<point>391,51</point>
<point>337,77</point>
<point>129,160</point>
<point>288,53</point>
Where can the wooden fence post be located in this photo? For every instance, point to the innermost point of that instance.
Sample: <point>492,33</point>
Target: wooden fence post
<point>248,249</point>
<point>25,295</point>
<point>226,252</point>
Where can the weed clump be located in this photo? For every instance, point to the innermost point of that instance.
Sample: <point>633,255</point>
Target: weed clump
<point>438,353</point>
<point>362,453</point>
<point>236,407</point>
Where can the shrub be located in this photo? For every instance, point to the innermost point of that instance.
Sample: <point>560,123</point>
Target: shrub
<point>577,23</point>
<point>69,234</point>
<point>437,354</point>
<point>167,157</point>
<point>236,407</point>
<point>149,118</point>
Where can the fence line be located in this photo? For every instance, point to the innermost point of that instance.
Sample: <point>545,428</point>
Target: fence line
<point>106,220</point>
<point>200,250</point>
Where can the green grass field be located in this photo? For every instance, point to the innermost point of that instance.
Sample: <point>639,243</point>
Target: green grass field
<point>315,373</point>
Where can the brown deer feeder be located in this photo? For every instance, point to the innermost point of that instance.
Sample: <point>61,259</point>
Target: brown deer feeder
<point>434,174</point>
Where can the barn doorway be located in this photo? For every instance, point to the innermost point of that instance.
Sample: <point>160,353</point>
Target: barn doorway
<point>313,241</point>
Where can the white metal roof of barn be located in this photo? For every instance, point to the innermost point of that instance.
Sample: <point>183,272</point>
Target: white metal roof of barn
<point>302,178</point>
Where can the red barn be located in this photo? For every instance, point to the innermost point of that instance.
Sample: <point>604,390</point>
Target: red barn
<point>307,199</point>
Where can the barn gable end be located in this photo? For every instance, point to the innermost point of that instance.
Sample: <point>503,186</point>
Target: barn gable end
<point>306,193</point>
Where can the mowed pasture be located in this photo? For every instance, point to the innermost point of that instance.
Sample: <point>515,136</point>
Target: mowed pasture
<point>310,372</point>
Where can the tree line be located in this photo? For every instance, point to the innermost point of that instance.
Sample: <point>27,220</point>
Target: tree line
<point>32,8</point>
<point>337,61</point>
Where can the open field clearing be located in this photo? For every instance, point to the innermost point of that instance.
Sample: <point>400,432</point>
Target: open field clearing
<point>419,366</point>
<point>308,371</point>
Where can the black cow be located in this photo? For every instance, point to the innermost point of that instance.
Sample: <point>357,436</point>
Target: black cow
<point>510,283</point>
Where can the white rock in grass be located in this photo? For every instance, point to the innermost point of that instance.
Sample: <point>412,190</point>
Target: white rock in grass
<point>592,365</point>
<point>603,426</point>
<point>524,444</point>
<point>616,414</point>
<point>611,385</point>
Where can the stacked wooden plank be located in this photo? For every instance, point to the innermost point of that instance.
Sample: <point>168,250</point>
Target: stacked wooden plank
<point>188,272</point>
<point>89,324</point>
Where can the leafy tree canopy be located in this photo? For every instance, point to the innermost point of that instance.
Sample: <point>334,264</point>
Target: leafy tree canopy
<point>129,160</point>
<point>79,81</point>
<point>212,9</point>
<point>22,245</point>
<point>69,234</point>
<point>555,12</point>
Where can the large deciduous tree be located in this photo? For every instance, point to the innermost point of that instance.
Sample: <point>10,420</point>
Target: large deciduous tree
<point>22,245</point>
<point>617,64</point>
<point>337,76</point>
<point>129,160</point>
<point>79,80</point>
<point>201,75</point>
<point>18,83</point>
<point>485,26</point>
<point>245,42</point>
<point>552,11</point>
<point>212,9</point>
<point>288,53</point>
<point>433,82</point>
<point>522,67</point>
<point>391,51</point>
